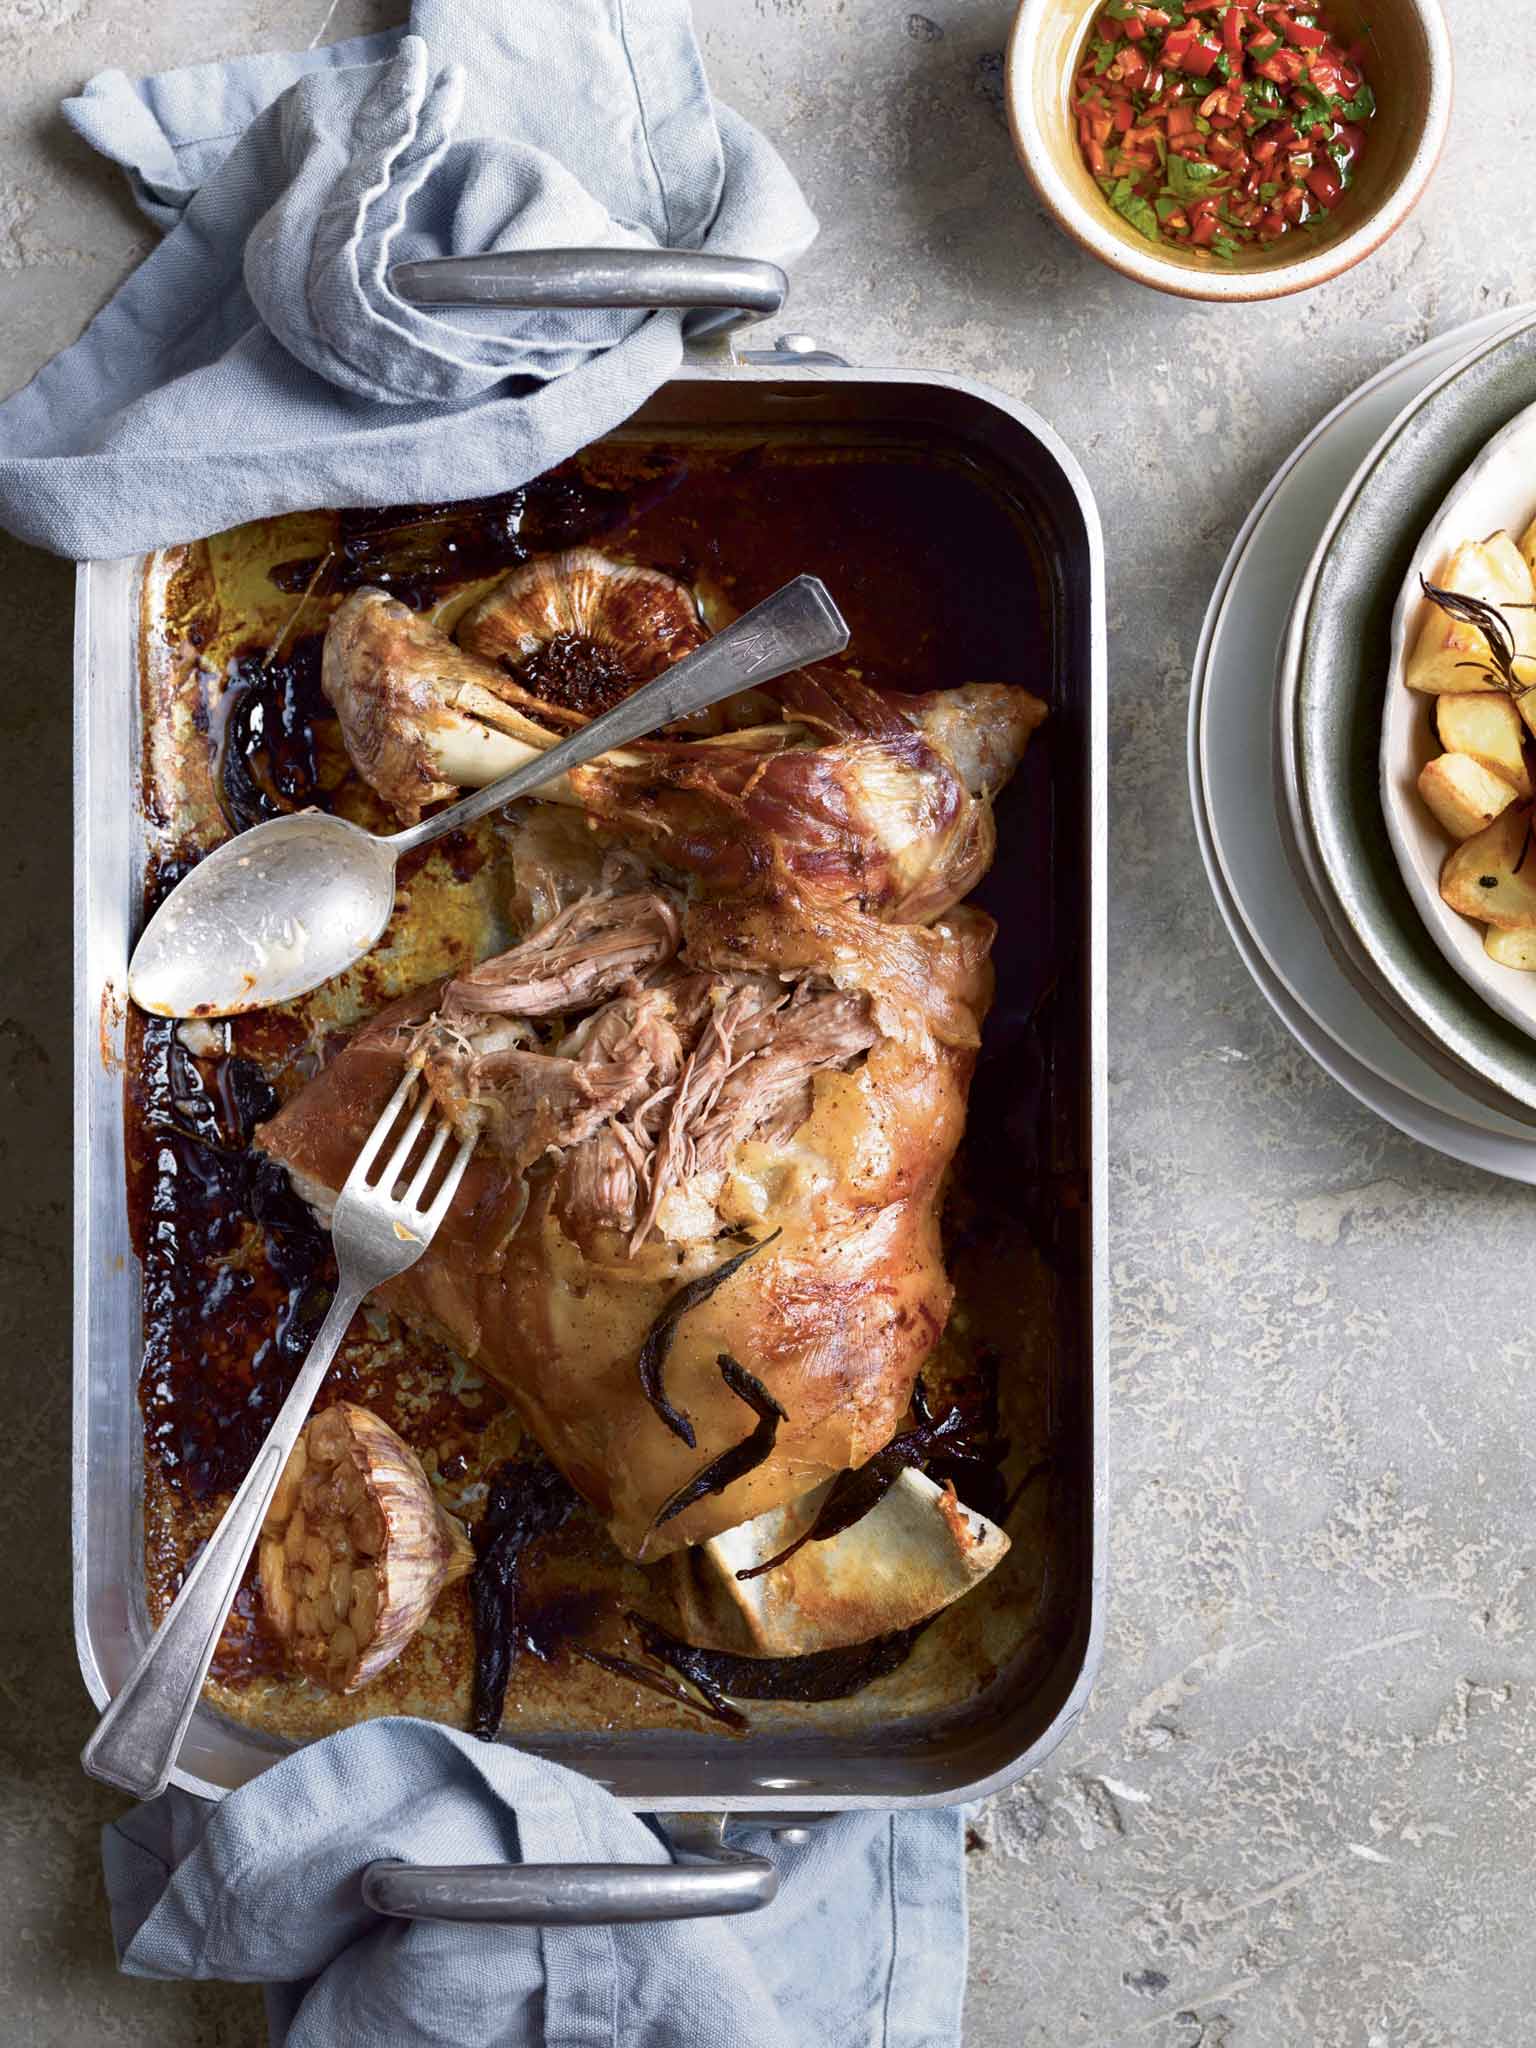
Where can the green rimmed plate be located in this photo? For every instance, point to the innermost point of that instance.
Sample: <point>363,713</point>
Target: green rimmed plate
<point>1335,677</point>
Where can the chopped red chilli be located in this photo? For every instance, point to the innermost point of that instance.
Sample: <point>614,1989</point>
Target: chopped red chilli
<point>1220,124</point>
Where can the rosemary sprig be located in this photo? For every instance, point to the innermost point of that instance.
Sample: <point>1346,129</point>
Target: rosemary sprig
<point>1490,622</point>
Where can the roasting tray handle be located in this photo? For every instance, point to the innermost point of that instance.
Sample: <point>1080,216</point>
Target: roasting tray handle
<point>722,291</point>
<point>706,1881</point>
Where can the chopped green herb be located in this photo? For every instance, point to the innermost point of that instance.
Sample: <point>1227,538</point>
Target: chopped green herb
<point>1130,205</point>
<point>1189,180</point>
<point>1361,107</point>
<point>1317,113</point>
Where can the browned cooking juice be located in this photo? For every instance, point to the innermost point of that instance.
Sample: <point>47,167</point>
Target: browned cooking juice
<point>942,581</point>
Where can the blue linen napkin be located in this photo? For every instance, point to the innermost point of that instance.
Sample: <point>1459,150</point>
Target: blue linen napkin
<point>257,361</point>
<point>863,1948</point>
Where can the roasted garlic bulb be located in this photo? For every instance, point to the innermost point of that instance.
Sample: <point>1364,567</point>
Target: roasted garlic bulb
<point>354,1549</point>
<point>421,719</point>
<point>579,631</point>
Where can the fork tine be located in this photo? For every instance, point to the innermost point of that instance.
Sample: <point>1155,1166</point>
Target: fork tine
<point>423,1176</point>
<point>450,1186</point>
<point>399,1158</point>
<point>373,1143</point>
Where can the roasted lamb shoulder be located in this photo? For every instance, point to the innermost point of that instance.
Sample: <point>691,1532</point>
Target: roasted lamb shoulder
<point>717,1093</point>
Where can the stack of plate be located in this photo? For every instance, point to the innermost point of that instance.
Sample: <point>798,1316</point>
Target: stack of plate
<point>1340,925</point>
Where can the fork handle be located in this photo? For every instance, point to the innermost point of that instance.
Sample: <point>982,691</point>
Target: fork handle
<point>137,1739</point>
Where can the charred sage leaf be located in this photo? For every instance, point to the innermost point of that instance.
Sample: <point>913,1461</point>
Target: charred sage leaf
<point>708,1700</point>
<point>658,1340</point>
<point>528,1499</point>
<point>741,1458</point>
<point>824,1675</point>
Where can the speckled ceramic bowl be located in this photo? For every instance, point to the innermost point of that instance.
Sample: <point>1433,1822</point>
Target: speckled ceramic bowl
<point>1336,674</point>
<point>1410,72</point>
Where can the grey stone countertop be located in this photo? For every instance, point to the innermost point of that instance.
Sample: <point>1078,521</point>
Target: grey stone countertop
<point>1300,1807</point>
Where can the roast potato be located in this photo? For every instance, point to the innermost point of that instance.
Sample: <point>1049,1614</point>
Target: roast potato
<point>1487,726</point>
<point>1465,796</point>
<point>1492,876</point>
<point>1450,655</point>
<point>1511,949</point>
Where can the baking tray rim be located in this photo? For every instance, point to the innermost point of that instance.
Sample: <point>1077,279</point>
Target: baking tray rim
<point>97,580</point>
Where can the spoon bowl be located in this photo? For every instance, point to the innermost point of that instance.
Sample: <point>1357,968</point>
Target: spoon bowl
<point>265,917</point>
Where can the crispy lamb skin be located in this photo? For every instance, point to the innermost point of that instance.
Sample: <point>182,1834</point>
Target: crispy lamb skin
<point>835,1317</point>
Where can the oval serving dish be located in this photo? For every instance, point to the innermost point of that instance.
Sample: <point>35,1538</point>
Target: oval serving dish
<point>1410,71</point>
<point>1497,492</point>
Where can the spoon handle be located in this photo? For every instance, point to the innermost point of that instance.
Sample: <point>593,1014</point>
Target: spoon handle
<point>799,623</point>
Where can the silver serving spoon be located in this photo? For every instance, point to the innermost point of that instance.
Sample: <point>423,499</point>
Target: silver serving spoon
<point>287,904</point>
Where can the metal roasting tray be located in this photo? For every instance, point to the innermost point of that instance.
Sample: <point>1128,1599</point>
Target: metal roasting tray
<point>763,1777</point>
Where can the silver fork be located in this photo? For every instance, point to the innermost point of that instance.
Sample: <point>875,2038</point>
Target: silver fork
<point>378,1234</point>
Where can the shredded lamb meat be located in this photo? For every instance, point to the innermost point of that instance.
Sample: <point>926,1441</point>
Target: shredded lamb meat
<point>654,1085</point>
<point>586,953</point>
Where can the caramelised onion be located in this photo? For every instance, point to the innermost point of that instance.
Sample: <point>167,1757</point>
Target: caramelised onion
<point>355,1548</point>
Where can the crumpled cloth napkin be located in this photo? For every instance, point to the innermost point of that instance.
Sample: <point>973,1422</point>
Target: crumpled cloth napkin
<point>863,1948</point>
<point>257,361</point>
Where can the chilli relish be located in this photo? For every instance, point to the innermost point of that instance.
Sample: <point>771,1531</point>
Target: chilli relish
<point>1220,124</point>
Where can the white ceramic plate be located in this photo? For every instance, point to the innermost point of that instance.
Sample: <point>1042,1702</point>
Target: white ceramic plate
<point>1232,771</point>
<point>1499,490</point>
